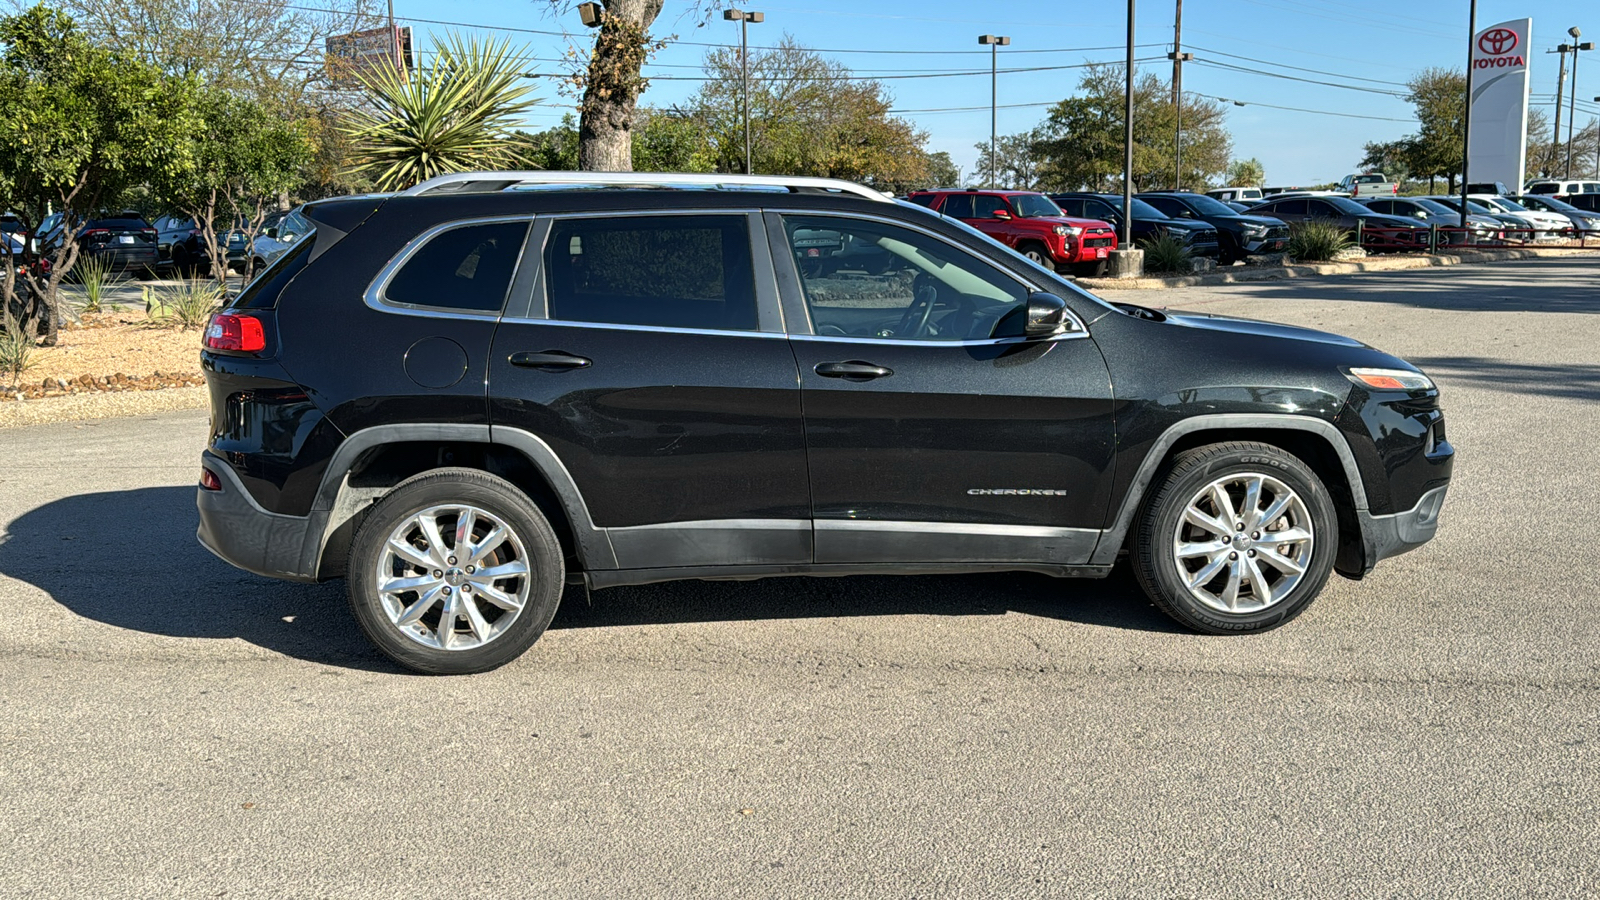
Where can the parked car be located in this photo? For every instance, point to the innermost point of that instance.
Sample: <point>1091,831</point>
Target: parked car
<point>182,246</point>
<point>1431,212</point>
<point>279,231</point>
<point>1239,235</point>
<point>13,226</point>
<point>1585,202</point>
<point>1235,193</point>
<point>1368,184</point>
<point>1560,189</point>
<point>1583,221</point>
<point>1544,224</point>
<point>1240,205</point>
<point>529,407</point>
<point>124,240</point>
<point>1148,222</point>
<point>1512,226</point>
<point>1379,232</point>
<point>1029,223</point>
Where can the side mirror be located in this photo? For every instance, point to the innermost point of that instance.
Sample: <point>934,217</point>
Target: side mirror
<point>1001,214</point>
<point>1047,315</point>
<point>270,231</point>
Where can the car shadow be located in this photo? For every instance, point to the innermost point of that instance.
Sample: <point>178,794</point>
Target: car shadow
<point>129,559</point>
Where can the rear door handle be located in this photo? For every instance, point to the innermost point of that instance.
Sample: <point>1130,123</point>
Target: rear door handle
<point>549,359</point>
<point>851,368</point>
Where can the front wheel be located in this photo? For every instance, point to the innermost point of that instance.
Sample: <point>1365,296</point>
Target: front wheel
<point>1238,537</point>
<point>455,571</point>
<point>1038,254</point>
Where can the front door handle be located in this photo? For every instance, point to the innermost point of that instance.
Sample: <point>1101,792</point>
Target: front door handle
<point>852,369</point>
<point>549,359</point>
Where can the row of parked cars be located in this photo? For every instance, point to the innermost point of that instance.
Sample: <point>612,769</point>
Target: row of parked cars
<point>129,243</point>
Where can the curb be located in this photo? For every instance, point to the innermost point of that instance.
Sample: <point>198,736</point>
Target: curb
<point>1309,270</point>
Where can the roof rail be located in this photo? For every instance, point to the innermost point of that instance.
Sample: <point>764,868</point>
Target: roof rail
<point>482,182</point>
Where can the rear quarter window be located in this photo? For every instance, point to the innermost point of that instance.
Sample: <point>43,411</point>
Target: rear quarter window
<point>467,267</point>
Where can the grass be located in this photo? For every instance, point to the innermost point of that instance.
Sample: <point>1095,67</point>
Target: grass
<point>185,306</point>
<point>16,349</point>
<point>1316,241</point>
<point>1166,254</point>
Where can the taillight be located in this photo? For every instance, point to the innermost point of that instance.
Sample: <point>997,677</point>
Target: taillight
<point>230,332</point>
<point>209,480</point>
<point>97,235</point>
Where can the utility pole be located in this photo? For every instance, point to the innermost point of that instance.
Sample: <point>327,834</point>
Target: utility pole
<point>994,42</point>
<point>1561,87</point>
<point>1466,118</point>
<point>744,18</point>
<point>1572,98</point>
<point>1178,58</point>
<point>1127,146</point>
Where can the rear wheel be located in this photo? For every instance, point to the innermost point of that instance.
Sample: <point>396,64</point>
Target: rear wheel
<point>1238,537</point>
<point>455,571</point>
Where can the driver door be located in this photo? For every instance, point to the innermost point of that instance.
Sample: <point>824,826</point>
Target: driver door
<point>935,433</point>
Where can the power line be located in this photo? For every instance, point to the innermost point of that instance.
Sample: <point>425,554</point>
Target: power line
<point>1320,112</point>
<point>1268,62</point>
<point>1348,87</point>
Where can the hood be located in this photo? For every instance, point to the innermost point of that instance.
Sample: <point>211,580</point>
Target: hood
<point>1263,221</point>
<point>1252,326</point>
<point>1179,224</point>
<point>1065,220</point>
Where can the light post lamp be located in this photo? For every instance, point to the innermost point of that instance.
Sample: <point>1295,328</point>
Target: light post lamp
<point>1597,146</point>
<point>1178,59</point>
<point>994,42</point>
<point>744,18</point>
<point>1573,97</point>
<point>1466,115</point>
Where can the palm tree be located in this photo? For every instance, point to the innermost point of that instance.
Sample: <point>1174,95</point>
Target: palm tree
<point>457,116</point>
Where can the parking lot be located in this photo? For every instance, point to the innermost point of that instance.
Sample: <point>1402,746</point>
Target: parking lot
<point>175,727</point>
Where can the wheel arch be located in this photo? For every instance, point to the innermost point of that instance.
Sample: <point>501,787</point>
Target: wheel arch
<point>1315,442</point>
<point>373,461</point>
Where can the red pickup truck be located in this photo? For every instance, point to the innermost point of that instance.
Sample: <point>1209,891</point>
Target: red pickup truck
<point>1031,224</point>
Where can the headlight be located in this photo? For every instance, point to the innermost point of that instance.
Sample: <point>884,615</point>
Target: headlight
<point>1591,223</point>
<point>1068,229</point>
<point>1256,230</point>
<point>1390,379</point>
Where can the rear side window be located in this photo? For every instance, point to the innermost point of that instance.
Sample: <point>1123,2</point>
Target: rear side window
<point>1542,189</point>
<point>923,199</point>
<point>1290,207</point>
<point>667,272</point>
<point>468,267</point>
<point>958,206</point>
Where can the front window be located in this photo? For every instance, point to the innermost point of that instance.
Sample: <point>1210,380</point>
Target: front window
<point>1032,206</point>
<point>1207,206</point>
<point>867,279</point>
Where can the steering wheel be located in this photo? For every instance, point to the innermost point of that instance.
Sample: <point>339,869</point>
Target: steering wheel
<point>915,321</point>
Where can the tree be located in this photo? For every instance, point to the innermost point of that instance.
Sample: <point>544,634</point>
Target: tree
<point>1246,173</point>
<point>80,125</point>
<point>457,116</point>
<point>942,170</point>
<point>1080,143</point>
<point>808,116</point>
<point>1439,96</point>
<point>1550,159</point>
<point>244,156</point>
<point>1016,164</point>
<point>1388,157</point>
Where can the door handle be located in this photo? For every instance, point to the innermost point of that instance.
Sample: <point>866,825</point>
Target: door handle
<point>852,368</point>
<point>549,359</point>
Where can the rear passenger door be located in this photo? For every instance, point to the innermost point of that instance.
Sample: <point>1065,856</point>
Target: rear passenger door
<point>651,359</point>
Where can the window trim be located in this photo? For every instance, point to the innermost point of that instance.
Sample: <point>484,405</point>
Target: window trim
<point>376,295</point>
<point>799,312</point>
<point>769,317</point>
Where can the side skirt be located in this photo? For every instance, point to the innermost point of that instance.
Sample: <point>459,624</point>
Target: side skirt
<point>606,578</point>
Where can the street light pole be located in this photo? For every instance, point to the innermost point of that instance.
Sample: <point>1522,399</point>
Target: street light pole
<point>1178,58</point>
<point>1466,118</point>
<point>1561,94</point>
<point>744,18</point>
<point>994,42</point>
<point>1572,98</point>
<point>1126,241</point>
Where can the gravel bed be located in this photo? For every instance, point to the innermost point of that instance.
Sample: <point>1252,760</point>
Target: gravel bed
<point>78,407</point>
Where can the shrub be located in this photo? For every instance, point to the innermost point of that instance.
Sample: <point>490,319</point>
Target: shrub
<point>95,280</point>
<point>1166,254</point>
<point>1316,241</point>
<point>16,348</point>
<point>188,305</point>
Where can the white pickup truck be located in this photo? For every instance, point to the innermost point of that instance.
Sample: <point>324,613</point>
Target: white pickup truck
<point>1370,184</point>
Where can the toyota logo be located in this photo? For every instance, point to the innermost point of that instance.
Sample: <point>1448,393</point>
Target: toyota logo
<point>1496,41</point>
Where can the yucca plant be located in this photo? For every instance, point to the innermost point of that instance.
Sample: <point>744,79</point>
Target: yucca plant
<point>457,116</point>
<point>1315,241</point>
<point>187,305</point>
<point>96,279</point>
<point>16,348</point>
<point>1165,254</point>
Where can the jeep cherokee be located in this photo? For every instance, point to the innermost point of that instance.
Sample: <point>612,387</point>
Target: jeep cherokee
<point>466,395</point>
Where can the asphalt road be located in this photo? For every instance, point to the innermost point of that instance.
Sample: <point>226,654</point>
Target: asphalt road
<point>175,728</point>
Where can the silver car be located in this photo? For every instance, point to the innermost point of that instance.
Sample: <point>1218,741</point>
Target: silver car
<point>279,232</point>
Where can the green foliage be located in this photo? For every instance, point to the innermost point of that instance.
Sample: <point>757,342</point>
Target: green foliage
<point>16,348</point>
<point>95,278</point>
<point>457,116</point>
<point>1080,144</point>
<point>1316,241</point>
<point>942,171</point>
<point>1439,96</point>
<point>1016,163</point>
<point>185,306</point>
<point>1246,173</point>
<point>1166,254</point>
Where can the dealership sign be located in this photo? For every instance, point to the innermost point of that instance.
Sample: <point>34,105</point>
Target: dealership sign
<point>350,55</point>
<point>1497,147</point>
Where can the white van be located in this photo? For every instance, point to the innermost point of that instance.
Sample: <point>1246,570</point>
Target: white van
<point>1235,193</point>
<point>1552,187</point>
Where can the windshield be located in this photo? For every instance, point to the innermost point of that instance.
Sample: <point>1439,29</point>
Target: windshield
<point>1368,179</point>
<point>1209,206</point>
<point>1435,207</point>
<point>1032,206</point>
<point>1141,209</point>
<point>1507,205</point>
<point>1550,203</point>
<point>1347,206</point>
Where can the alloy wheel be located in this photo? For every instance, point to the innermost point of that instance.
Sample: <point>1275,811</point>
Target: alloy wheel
<point>453,577</point>
<point>1244,541</point>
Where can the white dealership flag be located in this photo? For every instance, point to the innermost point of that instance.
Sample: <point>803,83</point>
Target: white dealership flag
<point>1497,149</point>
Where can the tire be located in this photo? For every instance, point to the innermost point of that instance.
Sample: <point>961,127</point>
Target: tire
<point>500,631</point>
<point>181,264</point>
<point>1280,595</point>
<point>1038,253</point>
<point>1090,269</point>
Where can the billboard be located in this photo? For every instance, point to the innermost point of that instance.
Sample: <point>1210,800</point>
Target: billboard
<point>1497,149</point>
<point>361,51</point>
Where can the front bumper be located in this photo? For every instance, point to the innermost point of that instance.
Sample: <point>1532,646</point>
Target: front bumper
<point>1392,535</point>
<point>243,534</point>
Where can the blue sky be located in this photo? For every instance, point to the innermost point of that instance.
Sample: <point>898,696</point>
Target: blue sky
<point>1356,43</point>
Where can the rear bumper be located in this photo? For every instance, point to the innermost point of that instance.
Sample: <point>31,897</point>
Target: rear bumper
<point>1392,535</point>
<point>243,534</point>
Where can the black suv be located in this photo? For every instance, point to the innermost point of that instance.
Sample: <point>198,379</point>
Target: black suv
<point>1240,234</point>
<point>1149,223</point>
<point>464,396</point>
